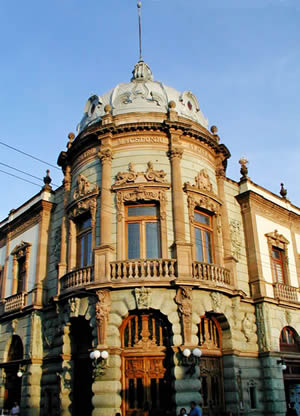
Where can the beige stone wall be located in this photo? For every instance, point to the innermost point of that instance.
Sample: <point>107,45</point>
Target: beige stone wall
<point>237,235</point>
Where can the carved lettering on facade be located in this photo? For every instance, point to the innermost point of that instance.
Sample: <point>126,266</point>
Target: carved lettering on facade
<point>143,297</point>
<point>102,314</point>
<point>143,140</point>
<point>184,301</point>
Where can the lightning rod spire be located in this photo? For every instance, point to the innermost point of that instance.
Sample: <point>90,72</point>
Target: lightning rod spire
<point>139,6</point>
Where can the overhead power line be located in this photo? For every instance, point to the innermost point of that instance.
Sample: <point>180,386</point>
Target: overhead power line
<point>25,173</point>
<point>27,154</point>
<point>22,179</point>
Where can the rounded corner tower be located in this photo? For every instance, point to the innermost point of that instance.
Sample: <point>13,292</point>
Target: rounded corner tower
<point>145,244</point>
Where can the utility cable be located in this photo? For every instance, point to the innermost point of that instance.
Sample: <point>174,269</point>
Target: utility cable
<point>18,177</point>
<point>27,154</point>
<point>25,173</point>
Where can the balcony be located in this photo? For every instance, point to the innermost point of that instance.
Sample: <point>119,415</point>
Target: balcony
<point>285,293</point>
<point>140,270</point>
<point>77,278</point>
<point>212,275</point>
<point>15,302</point>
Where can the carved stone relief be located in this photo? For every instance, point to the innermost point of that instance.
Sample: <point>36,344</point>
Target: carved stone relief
<point>184,301</point>
<point>141,194</point>
<point>151,175</point>
<point>143,297</point>
<point>84,188</point>
<point>74,304</point>
<point>83,206</point>
<point>248,326</point>
<point>288,317</point>
<point>102,314</point>
<point>202,181</point>
<point>236,238</point>
<point>261,318</point>
<point>201,201</point>
<point>14,324</point>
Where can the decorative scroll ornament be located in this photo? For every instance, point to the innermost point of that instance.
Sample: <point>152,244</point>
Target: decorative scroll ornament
<point>143,297</point>
<point>154,175</point>
<point>151,175</point>
<point>183,299</point>
<point>89,204</point>
<point>176,153</point>
<point>202,181</point>
<point>201,201</point>
<point>102,314</point>
<point>127,177</point>
<point>277,239</point>
<point>236,239</point>
<point>83,188</point>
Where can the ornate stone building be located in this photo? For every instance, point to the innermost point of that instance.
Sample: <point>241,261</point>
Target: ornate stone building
<point>147,254</point>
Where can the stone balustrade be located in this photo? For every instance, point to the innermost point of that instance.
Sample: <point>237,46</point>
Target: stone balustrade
<point>211,274</point>
<point>77,278</point>
<point>149,269</point>
<point>285,292</point>
<point>15,302</point>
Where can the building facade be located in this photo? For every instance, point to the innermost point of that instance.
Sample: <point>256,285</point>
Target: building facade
<point>145,255</point>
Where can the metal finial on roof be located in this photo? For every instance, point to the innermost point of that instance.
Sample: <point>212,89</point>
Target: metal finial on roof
<point>139,6</point>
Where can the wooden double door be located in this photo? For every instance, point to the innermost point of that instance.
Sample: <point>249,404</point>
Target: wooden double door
<point>146,385</point>
<point>212,386</point>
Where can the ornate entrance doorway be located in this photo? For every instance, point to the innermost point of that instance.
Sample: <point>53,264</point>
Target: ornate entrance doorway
<point>211,368</point>
<point>146,365</point>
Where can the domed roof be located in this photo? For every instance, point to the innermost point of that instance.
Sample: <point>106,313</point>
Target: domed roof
<point>143,95</point>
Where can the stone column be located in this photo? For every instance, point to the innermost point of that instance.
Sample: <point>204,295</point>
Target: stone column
<point>104,253</point>
<point>62,266</point>
<point>182,248</point>
<point>5,271</point>
<point>42,254</point>
<point>229,260</point>
<point>31,388</point>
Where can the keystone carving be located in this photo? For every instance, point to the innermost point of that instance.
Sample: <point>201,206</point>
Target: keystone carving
<point>74,304</point>
<point>143,297</point>
<point>216,299</point>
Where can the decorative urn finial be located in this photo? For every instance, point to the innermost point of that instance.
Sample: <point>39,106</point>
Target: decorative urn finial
<point>283,191</point>
<point>244,170</point>
<point>47,181</point>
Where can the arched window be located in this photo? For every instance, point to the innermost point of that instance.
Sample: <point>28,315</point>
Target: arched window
<point>145,339</point>
<point>289,340</point>
<point>211,368</point>
<point>15,351</point>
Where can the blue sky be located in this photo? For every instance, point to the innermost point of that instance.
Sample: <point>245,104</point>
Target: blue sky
<point>241,58</point>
